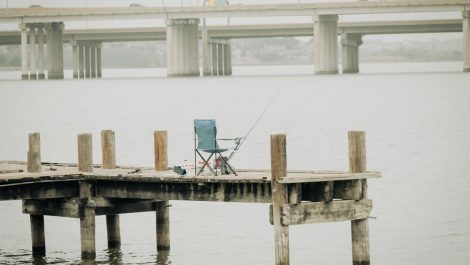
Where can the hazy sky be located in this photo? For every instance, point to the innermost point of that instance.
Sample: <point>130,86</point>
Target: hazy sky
<point>154,23</point>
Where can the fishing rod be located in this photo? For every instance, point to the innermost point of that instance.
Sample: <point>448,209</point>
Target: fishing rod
<point>241,140</point>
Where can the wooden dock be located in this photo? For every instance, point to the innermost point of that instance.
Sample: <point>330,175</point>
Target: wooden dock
<point>85,190</point>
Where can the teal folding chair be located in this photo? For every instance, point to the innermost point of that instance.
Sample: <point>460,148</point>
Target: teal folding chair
<point>205,140</point>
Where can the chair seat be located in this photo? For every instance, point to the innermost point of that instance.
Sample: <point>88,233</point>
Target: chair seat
<point>218,150</point>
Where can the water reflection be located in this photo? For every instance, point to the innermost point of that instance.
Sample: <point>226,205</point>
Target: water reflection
<point>163,258</point>
<point>114,256</point>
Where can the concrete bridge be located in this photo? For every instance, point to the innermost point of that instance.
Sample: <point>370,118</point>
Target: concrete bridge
<point>182,33</point>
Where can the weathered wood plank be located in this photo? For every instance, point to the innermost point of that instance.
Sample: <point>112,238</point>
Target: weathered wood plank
<point>34,153</point>
<point>38,238</point>
<point>307,177</point>
<point>113,231</point>
<point>162,211</point>
<point>108,149</point>
<point>320,212</point>
<point>62,208</point>
<point>39,190</point>
<point>85,152</point>
<point>87,221</point>
<point>279,197</point>
<point>226,192</point>
<point>359,228</point>
<point>161,150</point>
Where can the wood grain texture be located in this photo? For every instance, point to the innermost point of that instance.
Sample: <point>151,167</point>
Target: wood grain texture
<point>87,222</point>
<point>161,150</point>
<point>108,149</point>
<point>34,153</point>
<point>38,238</point>
<point>163,225</point>
<point>359,228</point>
<point>85,152</point>
<point>279,197</point>
<point>320,212</point>
<point>113,231</point>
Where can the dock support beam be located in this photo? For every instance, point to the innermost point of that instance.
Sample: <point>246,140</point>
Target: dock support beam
<point>279,197</point>
<point>55,50</point>
<point>161,150</point>
<point>108,148</point>
<point>87,210</point>
<point>326,44</point>
<point>38,239</point>
<point>163,225</point>
<point>360,227</point>
<point>466,40</point>
<point>350,52</point>
<point>37,235</point>
<point>182,38</point>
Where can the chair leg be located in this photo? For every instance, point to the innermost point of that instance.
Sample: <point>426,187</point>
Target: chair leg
<point>227,164</point>
<point>206,163</point>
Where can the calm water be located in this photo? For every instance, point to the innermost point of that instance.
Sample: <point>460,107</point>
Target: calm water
<point>416,117</point>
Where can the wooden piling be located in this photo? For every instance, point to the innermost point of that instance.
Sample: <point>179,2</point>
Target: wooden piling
<point>38,238</point>
<point>359,228</point>
<point>34,153</point>
<point>85,152</point>
<point>163,225</point>
<point>279,197</point>
<point>113,229</point>
<point>161,153</point>
<point>87,221</point>
<point>108,149</point>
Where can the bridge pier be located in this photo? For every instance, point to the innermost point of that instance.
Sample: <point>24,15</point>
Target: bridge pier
<point>221,62</point>
<point>228,59</point>
<point>206,53</point>
<point>325,44</point>
<point>98,61</point>
<point>24,52</point>
<point>182,40</point>
<point>40,33</point>
<point>93,61</point>
<point>55,50</point>
<point>466,40</point>
<point>350,52</point>
<point>87,62</point>
<point>32,49</point>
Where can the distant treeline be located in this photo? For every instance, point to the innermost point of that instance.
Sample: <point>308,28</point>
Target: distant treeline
<point>262,51</point>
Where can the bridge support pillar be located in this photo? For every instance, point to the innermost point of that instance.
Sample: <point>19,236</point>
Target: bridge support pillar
<point>182,38</point>
<point>213,59</point>
<point>228,59</point>
<point>93,61</point>
<point>32,51</point>
<point>98,62</point>
<point>75,60</point>
<point>350,52</point>
<point>206,53</point>
<point>220,59</point>
<point>55,50</point>
<point>87,62</point>
<point>81,61</point>
<point>40,33</point>
<point>326,44</point>
<point>466,40</point>
<point>24,51</point>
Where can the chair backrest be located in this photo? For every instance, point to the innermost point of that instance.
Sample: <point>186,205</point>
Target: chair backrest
<point>206,132</point>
